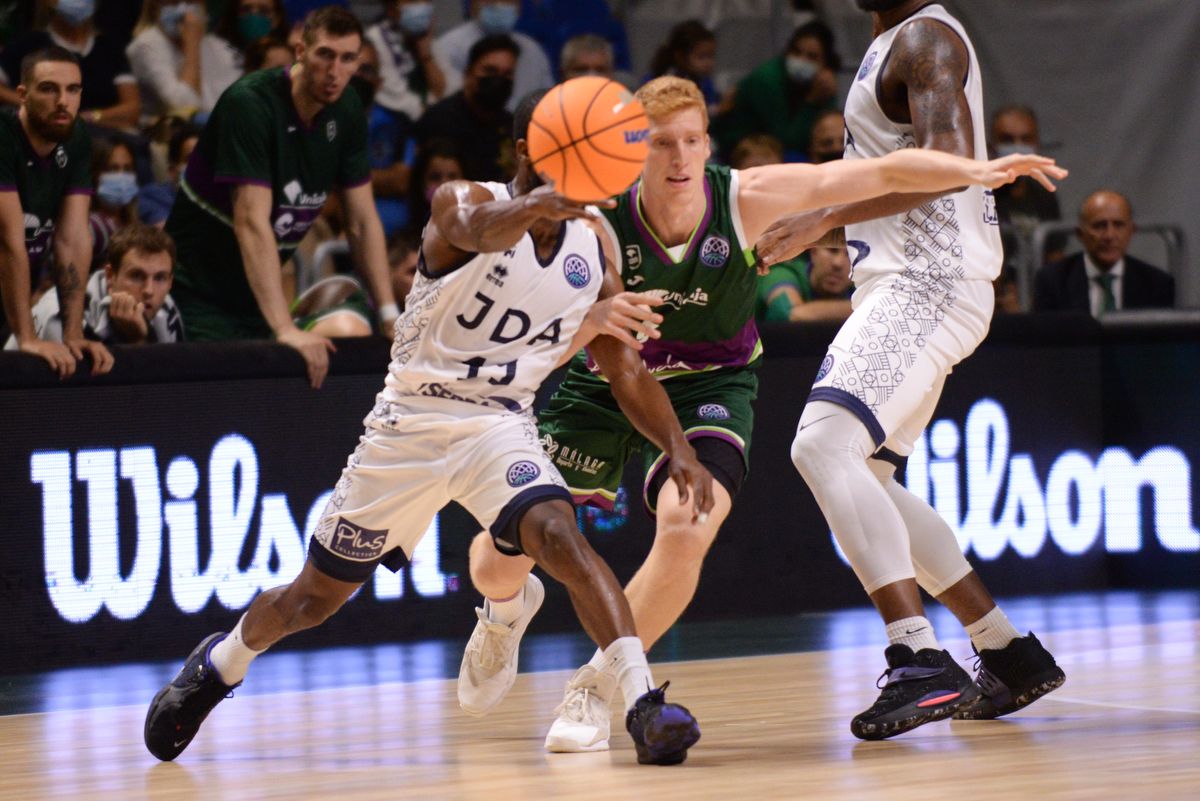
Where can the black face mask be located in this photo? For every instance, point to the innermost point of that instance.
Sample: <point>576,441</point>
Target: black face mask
<point>364,88</point>
<point>494,91</point>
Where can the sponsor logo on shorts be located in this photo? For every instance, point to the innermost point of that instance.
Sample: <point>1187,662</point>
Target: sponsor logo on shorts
<point>713,411</point>
<point>576,270</point>
<point>572,458</point>
<point>522,473</point>
<point>826,366</point>
<point>356,542</point>
<point>714,252</point>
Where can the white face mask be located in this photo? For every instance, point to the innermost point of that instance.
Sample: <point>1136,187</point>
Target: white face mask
<point>801,69</point>
<point>1011,148</point>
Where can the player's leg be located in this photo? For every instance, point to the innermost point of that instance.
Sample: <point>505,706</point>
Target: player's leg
<point>334,307</point>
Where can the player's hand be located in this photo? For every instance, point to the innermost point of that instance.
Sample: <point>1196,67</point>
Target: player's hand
<point>102,360</point>
<point>128,316</point>
<point>999,172</point>
<point>547,203</point>
<point>688,474</point>
<point>56,354</point>
<point>627,316</point>
<point>314,348</point>
<point>788,237</point>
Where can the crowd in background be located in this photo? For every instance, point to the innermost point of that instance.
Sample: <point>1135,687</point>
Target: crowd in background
<point>439,108</point>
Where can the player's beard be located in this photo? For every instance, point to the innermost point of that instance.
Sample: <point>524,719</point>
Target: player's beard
<point>878,5</point>
<point>48,129</point>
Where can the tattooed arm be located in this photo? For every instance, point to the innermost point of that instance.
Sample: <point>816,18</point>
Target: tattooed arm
<point>72,258</point>
<point>922,85</point>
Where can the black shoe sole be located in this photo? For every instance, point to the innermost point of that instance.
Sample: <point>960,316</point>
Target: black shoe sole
<point>910,717</point>
<point>985,708</point>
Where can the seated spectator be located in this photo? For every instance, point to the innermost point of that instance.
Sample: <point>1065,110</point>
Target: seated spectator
<point>828,137</point>
<point>110,93</point>
<point>586,54</point>
<point>756,150</point>
<point>404,251</point>
<point>114,205</point>
<point>437,162</point>
<point>475,118</point>
<point>1103,277</point>
<point>388,134</point>
<point>784,95</point>
<point>690,52</point>
<point>155,200</point>
<point>129,301</point>
<point>493,18</point>
<point>267,53</point>
<point>1008,299</point>
<point>410,76</point>
<point>807,292</point>
<point>1024,203</point>
<point>555,23</point>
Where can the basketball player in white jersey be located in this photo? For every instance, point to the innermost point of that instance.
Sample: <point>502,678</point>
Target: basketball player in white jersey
<point>507,290</point>
<point>923,267</point>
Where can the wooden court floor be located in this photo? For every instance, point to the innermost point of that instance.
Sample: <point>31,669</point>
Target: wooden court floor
<point>1125,726</point>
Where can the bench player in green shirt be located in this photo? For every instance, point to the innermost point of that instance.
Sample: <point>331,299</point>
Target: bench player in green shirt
<point>45,191</point>
<point>277,143</point>
<point>685,231</point>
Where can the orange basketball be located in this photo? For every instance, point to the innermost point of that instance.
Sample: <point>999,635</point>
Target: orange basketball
<point>587,138</point>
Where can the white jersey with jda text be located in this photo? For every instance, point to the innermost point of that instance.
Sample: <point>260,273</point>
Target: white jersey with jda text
<point>953,237</point>
<point>491,331</point>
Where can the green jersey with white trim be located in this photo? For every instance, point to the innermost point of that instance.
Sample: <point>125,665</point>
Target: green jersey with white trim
<point>255,136</point>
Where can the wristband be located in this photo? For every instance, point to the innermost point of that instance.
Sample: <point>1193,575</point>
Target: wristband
<point>389,310</point>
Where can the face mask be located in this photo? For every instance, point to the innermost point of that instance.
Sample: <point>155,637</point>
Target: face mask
<point>800,69</point>
<point>170,18</point>
<point>117,188</point>
<point>364,88</point>
<point>494,91</point>
<point>416,18</point>
<point>498,18</point>
<point>76,12</point>
<point>1011,148</point>
<point>252,27</point>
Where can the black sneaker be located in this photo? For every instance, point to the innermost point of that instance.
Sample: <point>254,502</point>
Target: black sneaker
<point>920,688</point>
<point>661,732</point>
<point>1012,677</point>
<point>177,711</point>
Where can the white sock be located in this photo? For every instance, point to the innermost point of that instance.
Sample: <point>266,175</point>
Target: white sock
<point>231,656</point>
<point>626,659</point>
<point>915,632</point>
<point>992,631</point>
<point>506,611</point>
<point>597,660</point>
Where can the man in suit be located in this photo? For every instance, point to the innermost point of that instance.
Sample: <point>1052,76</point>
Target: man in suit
<point>1102,278</point>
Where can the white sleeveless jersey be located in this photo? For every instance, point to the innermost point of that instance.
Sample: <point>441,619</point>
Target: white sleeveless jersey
<point>954,237</point>
<point>491,331</point>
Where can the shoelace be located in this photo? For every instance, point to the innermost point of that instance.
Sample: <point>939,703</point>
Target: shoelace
<point>577,706</point>
<point>492,647</point>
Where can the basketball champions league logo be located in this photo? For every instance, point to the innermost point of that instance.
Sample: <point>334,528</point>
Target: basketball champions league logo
<point>714,252</point>
<point>576,271</point>
<point>522,473</point>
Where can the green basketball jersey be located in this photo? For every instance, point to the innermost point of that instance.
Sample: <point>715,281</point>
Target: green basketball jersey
<point>255,136</point>
<point>40,182</point>
<point>709,284</point>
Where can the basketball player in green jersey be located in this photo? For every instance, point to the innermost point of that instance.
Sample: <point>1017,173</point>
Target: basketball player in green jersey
<point>277,144</point>
<point>685,231</point>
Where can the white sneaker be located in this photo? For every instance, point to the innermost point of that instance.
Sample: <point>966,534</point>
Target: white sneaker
<point>584,718</point>
<point>489,666</point>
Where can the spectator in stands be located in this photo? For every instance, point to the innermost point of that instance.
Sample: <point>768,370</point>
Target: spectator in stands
<point>1024,203</point>
<point>437,162</point>
<point>126,303</point>
<point>110,93</point>
<point>1103,277</point>
<point>181,69</point>
<point>493,18</point>
<point>475,118</point>
<point>114,205</point>
<point>756,150</point>
<point>45,188</point>
<point>388,134</point>
<point>555,23</point>
<point>784,95</point>
<point>809,289</point>
<point>828,137</point>
<point>1008,299</point>
<point>155,200</point>
<point>242,24</point>
<point>586,54</point>
<point>411,79</point>
<point>404,251</point>
<point>268,53</point>
<point>690,52</point>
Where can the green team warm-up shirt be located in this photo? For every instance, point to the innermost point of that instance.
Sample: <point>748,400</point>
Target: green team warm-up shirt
<point>255,136</point>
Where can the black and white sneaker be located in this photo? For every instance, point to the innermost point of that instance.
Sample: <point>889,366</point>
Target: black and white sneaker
<point>921,687</point>
<point>177,711</point>
<point>1011,678</point>
<point>661,732</point>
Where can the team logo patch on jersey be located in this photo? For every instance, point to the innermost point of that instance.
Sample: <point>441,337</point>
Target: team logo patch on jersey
<point>576,270</point>
<point>826,366</point>
<point>331,130</point>
<point>714,252</point>
<point>284,224</point>
<point>712,411</point>
<point>633,256</point>
<point>356,542</point>
<point>868,62</point>
<point>60,156</point>
<point>522,473</point>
